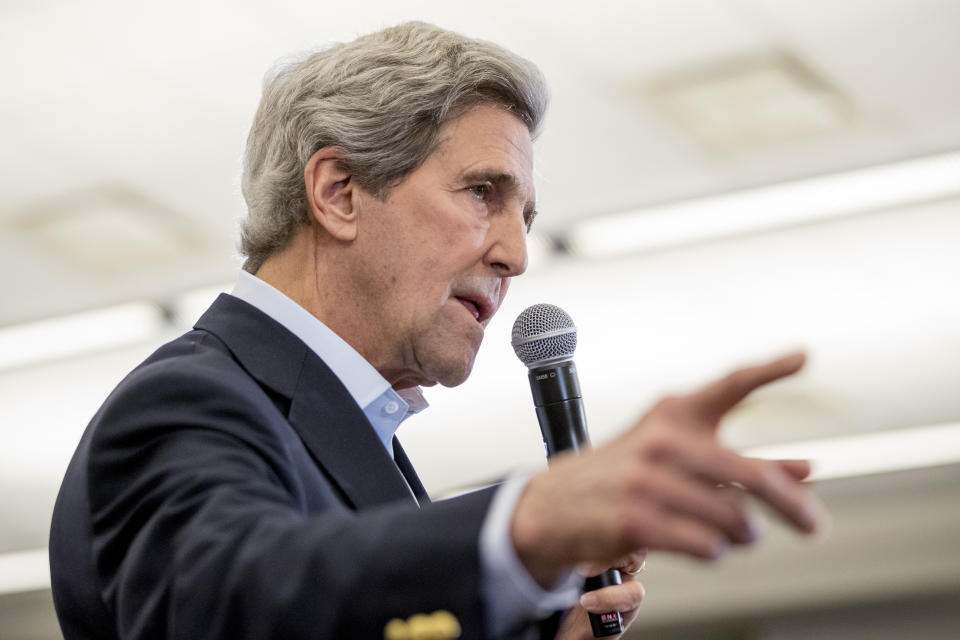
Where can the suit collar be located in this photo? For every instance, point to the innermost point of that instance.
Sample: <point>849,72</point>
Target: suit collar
<point>322,412</point>
<point>359,377</point>
<point>268,352</point>
<point>367,386</point>
<point>406,468</point>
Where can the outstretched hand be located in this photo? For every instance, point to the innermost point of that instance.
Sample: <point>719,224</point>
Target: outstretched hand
<point>656,487</point>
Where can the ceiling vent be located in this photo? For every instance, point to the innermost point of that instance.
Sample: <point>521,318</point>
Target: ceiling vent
<point>751,101</point>
<point>106,228</point>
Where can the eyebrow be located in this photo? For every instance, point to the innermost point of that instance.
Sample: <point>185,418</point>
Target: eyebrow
<point>506,182</point>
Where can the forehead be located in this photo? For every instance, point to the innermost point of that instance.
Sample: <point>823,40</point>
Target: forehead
<point>487,139</point>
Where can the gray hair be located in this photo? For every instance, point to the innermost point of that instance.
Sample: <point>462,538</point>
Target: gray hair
<point>381,100</point>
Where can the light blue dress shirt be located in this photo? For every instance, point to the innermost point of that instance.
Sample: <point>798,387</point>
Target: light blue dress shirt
<point>510,593</point>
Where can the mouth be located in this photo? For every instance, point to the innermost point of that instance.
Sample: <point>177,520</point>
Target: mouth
<point>479,306</point>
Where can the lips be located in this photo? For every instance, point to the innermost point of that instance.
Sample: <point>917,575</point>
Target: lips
<point>471,307</point>
<point>480,306</point>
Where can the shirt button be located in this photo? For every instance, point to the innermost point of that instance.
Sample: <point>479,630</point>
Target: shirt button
<point>391,408</point>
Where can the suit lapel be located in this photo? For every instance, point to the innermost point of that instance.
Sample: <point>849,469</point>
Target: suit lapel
<point>406,468</point>
<point>341,439</point>
<point>322,412</point>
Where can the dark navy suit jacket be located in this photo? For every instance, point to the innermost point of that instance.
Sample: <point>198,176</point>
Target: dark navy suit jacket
<point>230,487</point>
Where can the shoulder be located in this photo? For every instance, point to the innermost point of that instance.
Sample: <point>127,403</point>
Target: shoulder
<point>195,358</point>
<point>190,384</point>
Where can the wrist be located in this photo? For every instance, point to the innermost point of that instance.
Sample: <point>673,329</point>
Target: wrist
<point>529,538</point>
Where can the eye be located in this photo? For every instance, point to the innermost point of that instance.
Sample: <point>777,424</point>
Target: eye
<point>480,191</point>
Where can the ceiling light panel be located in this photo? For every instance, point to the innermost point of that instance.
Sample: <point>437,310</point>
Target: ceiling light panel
<point>98,230</point>
<point>751,101</point>
<point>79,333</point>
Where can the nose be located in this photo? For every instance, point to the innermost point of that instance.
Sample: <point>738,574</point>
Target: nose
<point>507,254</point>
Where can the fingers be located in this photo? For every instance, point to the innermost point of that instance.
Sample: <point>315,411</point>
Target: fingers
<point>620,597</point>
<point>765,479</point>
<point>717,398</point>
<point>656,486</point>
<point>632,563</point>
<point>625,598</point>
<point>683,496</point>
<point>665,531</point>
<point>798,469</point>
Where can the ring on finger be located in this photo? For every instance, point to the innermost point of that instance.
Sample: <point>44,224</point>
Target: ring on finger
<point>637,570</point>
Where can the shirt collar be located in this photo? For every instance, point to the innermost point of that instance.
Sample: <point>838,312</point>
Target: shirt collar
<point>413,396</point>
<point>363,382</point>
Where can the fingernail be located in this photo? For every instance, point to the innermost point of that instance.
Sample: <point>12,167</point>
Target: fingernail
<point>719,548</point>
<point>589,599</point>
<point>752,532</point>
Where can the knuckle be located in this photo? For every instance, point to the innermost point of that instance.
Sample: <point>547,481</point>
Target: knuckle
<point>637,483</point>
<point>760,477</point>
<point>661,444</point>
<point>631,530</point>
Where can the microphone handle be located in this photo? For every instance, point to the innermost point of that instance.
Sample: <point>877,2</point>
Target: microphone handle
<point>563,424</point>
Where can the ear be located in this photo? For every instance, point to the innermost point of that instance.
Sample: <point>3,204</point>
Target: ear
<point>330,191</point>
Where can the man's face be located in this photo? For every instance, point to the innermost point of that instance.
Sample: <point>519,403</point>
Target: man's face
<point>437,255</point>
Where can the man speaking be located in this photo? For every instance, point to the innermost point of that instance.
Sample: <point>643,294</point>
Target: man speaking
<point>245,482</point>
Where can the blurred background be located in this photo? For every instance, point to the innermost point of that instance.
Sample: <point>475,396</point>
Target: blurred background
<point>718,182</point>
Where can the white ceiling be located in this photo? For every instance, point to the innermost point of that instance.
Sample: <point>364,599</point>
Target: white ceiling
<point>156,97</point>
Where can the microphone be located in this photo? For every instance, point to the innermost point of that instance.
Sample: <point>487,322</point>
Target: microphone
<point>544,338</point>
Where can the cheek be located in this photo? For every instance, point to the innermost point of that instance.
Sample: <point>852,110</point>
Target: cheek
<point>452,248</point>
<point>504,287</point>
<point>461,223</point>
<point>468,242</point>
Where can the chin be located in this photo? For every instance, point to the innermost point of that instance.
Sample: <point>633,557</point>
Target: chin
<point>447,357</point>
<point>454,369</point>
<point>454,381</point>
<point>453,376</point>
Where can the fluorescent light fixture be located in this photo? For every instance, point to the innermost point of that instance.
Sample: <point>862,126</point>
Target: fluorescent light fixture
<point>766,208</point>
<point>79,333</point>
<point>874,452</point>
<point>24,571</point>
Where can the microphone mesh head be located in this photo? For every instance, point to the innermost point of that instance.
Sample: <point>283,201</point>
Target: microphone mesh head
<point>543,333</point>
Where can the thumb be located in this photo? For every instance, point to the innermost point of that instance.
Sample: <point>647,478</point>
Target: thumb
<point>619,597</point>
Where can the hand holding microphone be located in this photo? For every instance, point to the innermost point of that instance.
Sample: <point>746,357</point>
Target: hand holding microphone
<point>653,487</point>
<point>544,338</point>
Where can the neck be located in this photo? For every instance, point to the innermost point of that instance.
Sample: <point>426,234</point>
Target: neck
<point>312,272</point>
